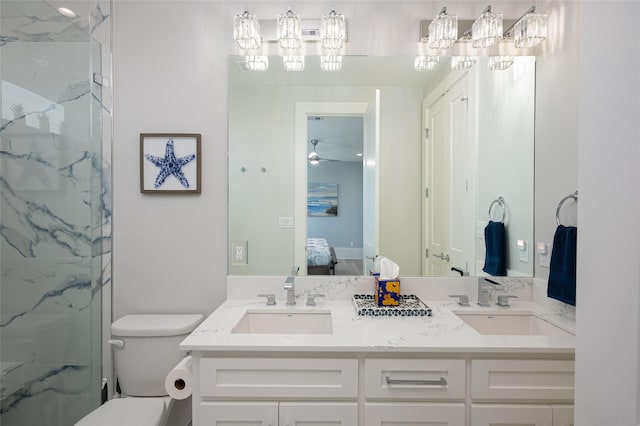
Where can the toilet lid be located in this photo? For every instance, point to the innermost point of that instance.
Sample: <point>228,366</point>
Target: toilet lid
<point>128,411</point>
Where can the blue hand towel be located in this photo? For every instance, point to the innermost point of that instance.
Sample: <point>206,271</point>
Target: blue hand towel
<point>562,273</point>
<point>495,259</point>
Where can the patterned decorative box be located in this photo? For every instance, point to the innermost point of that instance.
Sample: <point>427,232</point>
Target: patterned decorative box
<point>387,292</point>
<point>409,306</point>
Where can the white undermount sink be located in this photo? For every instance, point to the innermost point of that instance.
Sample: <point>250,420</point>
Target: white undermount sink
<point>289,321</point>
<point>511,323</point>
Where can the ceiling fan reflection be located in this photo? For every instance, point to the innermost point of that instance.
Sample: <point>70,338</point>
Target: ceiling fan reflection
<point>313,157</point>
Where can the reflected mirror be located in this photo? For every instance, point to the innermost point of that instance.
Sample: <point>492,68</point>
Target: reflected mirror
<point>443,153</point>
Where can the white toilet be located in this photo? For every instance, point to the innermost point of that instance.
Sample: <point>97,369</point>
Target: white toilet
<point>146,349</point>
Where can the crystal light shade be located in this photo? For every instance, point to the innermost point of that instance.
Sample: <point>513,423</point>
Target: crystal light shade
<point>487,29</point>
<point>257,62</point>
<point>293,62</point>
<point>443,30</point>
<point>333,30</point>
<point>500,63</point>
<point>462,62</point>
<point>331,63</point>
<point>246,31</point>
<point>289,31</point>
<point>530,30</point>
<point>426,62</point>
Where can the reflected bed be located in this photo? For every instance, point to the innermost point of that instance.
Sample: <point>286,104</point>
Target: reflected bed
<point>321,259</point>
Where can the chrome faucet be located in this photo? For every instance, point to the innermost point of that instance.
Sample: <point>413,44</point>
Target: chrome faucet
<point>290,286</point>
<point>484,290</point>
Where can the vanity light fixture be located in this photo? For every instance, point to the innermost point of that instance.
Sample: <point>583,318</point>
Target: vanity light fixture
<point>486,31</point>
<point>500,63</point>
<point>530,30</point>
<point>289,31</point>
<point>257,62</point>
<point>293,62</point>
<point>330,63</point>
<point>462,62</point>
<point>333,30</point>
<point>426,62</point>
<point>443,30</point>
<point>246,31</point>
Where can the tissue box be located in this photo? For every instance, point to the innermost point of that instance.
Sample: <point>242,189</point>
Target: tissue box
<point>387,292</point>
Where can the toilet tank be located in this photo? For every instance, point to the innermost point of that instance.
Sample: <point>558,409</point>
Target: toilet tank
<point>146,349</point>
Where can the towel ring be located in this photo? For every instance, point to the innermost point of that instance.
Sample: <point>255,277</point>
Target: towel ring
<point>499,201</point>
<point>573,196</point>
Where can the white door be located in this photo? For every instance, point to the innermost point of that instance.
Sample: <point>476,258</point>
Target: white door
<point>512,415</point>
<point>449,176</point>
<point>370,182</point>
<point>239,414</point>
<point>438,187</point>
<point>318,414</point>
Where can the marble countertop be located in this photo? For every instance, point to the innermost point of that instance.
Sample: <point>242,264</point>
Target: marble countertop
<point>439,333</point>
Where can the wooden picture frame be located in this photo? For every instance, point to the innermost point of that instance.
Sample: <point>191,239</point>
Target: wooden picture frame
<point>170,163</point>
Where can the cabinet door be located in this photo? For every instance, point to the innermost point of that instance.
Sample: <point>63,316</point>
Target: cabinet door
<point>239,414</point>
<point>414,414</point>
<point>318,414</point>
<point>511,414</point>
<point>562,415</point>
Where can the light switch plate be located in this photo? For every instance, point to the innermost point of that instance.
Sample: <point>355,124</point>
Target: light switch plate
<point>480,225</point>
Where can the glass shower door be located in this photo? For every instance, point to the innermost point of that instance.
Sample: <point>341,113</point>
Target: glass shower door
<point>50,218</point>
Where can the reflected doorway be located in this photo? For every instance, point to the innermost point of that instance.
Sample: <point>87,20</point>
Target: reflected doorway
<point>335,195</point>
<point>367,113</point>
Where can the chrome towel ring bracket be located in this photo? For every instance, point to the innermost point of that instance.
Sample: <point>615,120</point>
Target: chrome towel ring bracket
<point>500,202</point>
<point>573,197</point>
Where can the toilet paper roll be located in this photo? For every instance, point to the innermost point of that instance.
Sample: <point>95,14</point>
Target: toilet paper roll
<point>179,381</point>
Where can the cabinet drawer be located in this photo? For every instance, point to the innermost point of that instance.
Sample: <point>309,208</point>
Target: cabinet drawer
<point>407,414</point>
<point>279,378</point>
<point>414,379</point>
<point>538,380</point>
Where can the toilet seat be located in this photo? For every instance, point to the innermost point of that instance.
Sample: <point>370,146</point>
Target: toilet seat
<point>141,411</point>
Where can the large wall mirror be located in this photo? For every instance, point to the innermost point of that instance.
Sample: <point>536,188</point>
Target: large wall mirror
<point>382,185</point>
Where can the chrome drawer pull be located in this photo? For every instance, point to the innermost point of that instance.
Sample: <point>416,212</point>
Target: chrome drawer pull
<point>441,382</point>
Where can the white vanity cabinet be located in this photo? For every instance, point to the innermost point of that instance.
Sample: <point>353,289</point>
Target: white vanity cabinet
<point>279,391</point>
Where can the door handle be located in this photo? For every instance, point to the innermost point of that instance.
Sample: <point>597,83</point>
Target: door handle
<point>442,256</point>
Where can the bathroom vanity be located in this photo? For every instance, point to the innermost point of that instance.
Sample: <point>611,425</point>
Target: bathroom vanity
<point>291,365</point>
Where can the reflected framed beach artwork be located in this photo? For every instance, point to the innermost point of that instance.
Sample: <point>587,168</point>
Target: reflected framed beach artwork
<point>322,199</point>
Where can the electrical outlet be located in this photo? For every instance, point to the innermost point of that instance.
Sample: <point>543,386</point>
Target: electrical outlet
<point>480,225</point>
<point>239,252</point>
<point>544,254</point>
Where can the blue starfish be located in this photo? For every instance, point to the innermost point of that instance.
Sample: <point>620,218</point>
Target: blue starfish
<point>170,165</point>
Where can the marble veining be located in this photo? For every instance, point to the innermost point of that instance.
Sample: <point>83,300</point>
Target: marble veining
<point>55,223</point>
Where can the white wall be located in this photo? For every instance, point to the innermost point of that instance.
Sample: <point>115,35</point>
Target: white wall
<point>608,299</point>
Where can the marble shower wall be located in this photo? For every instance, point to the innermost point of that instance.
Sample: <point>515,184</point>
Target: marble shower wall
<point>55,210</point>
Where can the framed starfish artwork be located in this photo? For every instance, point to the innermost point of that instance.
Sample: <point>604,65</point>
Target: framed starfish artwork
<point>170,163</point>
